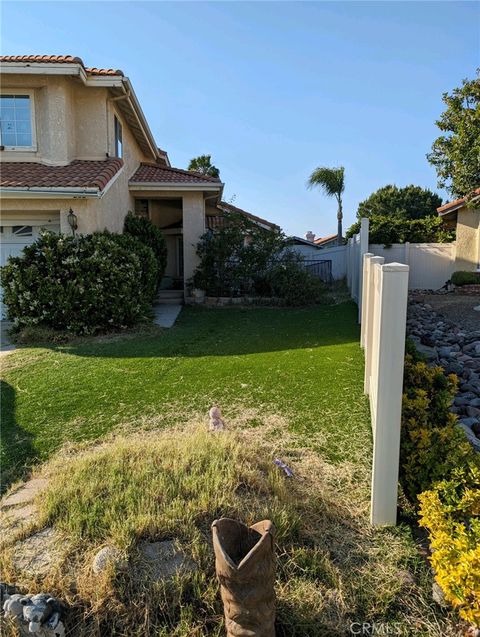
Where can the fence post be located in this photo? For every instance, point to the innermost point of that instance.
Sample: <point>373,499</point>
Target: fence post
<point>369,320</point>
<point>392,302</point>
<point>364,226</point>
<point>365,282</point>
<point>406,255</point>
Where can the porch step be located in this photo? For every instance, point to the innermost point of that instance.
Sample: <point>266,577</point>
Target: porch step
<point>169,297</point>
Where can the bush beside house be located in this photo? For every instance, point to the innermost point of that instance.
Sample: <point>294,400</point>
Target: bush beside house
<point>144,230</point>
<point>84,285</point>
<point>242,258</point>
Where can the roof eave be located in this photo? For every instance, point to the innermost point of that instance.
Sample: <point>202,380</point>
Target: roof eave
<point>13,192</point>
<point>151,186</point>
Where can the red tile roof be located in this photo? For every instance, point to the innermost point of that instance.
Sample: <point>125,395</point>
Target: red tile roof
<point>457,203</point>
<point>78,174</point>
<point>59,59</point>
<point>322,240</point>
<point>153,173</point>
<point>228,207</point>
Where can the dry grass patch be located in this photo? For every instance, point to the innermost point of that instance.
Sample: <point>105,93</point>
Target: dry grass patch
<point>156,485</point>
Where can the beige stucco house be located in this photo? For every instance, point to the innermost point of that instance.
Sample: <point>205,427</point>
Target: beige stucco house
<point>75,139</point>
<point>466,219</point>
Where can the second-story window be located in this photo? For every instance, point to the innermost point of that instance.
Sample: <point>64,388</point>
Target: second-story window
<point>118,138</point>
<point>16,127</point>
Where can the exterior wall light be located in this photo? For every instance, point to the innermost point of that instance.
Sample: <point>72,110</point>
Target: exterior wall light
<point>72,221</point>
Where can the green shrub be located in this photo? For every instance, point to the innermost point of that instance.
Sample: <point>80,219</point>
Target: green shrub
<point>387,230</point>
<point>241,258</point>
<point>82,285</point>
<point>432,445</point>
<point>144,230</point>
<point>451,513</point>
<point>465,278</point>
<point>289,281</point>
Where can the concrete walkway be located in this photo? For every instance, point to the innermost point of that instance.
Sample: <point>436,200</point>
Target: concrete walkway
<point>165,314</point>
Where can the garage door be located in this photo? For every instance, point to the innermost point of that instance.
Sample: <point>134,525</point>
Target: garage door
<point>14,238</point>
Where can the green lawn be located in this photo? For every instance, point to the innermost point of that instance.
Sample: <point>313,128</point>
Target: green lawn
<point>290,384</point>
<point>302,363</point>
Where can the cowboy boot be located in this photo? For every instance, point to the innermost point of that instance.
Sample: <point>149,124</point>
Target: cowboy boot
<point>244,563</point>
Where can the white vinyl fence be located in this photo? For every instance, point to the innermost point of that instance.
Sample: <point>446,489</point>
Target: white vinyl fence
<point>431,264</point>
<point>383,317</point>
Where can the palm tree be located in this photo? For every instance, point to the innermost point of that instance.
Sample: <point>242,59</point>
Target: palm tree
<point>203,164</point>
<point>332,182</point>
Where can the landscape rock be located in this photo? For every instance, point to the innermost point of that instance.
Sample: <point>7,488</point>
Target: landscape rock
<point>163,560</point>
<point>108,555</point>
<point>438,595</point>
<point>26,493</point>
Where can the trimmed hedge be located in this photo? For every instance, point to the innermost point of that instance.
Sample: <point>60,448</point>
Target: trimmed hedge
<point>151,236</point>
<point>83,285</point>
<point>451,513</point>
<point>465,278</point>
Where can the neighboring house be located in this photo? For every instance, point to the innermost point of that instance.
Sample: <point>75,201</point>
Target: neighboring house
<point>74,139</point>
<point>466,220</point>
<point>305,247</point>
<point>327,242</point>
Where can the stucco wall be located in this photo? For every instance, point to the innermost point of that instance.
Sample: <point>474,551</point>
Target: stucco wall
<point>193,228</point>
<point>468,239</point>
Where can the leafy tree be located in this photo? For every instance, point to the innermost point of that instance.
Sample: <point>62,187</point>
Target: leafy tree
<point>411,202</point>
<point>387,229</point>
<point>456,154</point>
<point>203,164</point>
<point>332,182</point>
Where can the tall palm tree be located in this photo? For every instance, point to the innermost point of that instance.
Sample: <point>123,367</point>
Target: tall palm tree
<point>332,182</point>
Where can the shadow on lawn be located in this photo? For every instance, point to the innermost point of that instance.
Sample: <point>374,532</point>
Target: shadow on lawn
<point>20,451</point>
<point>230,331</point>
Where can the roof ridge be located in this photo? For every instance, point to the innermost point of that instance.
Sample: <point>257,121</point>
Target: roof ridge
<point>182,171</point>
<point>60,59</point>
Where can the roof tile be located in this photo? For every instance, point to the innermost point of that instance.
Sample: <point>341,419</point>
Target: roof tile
<point>77,174</point>
<point>59,59</point>
<point>153,173</point>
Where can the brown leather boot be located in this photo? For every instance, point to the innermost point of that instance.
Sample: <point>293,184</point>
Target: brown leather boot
<point>245,566</point>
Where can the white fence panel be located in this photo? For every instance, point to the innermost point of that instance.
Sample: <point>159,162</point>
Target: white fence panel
<point>338,256</point>
<point>383,337</point>
<point>431,264</point>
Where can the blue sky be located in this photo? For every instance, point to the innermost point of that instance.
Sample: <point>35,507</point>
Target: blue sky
<point>273,89</point>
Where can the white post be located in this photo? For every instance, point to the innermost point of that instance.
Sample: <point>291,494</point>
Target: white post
<point>393,294</point>
<point>364,225</point>
<point>365,281</point>
<point>369,319</point>
<point>349,264</point>
<point>406,254</point>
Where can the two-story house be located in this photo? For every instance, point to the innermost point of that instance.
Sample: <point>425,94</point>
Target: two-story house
<point>76,150</point>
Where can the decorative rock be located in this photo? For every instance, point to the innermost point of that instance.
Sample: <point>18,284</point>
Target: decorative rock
<point>107,556</point>
<point>473,412</point>
<point>438,595</point>
<point>476,429</point>
<point>470,435</point>
<point>216,422</point>
<point>163,560</point>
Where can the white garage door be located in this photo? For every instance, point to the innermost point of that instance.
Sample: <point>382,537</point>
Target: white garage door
<point>13,238</point>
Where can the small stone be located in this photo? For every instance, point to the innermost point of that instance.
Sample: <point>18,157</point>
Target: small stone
<point>472,438</point>
<point>473,412</point>
<point>107,556</point>
<point>438,595</point>
<point>163,560</point>
<point>469,422</point>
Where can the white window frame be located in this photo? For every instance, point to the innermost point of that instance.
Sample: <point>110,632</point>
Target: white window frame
<point>31,95</point>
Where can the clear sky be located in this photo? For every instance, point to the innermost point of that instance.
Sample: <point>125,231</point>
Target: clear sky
<point>273,89</point>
